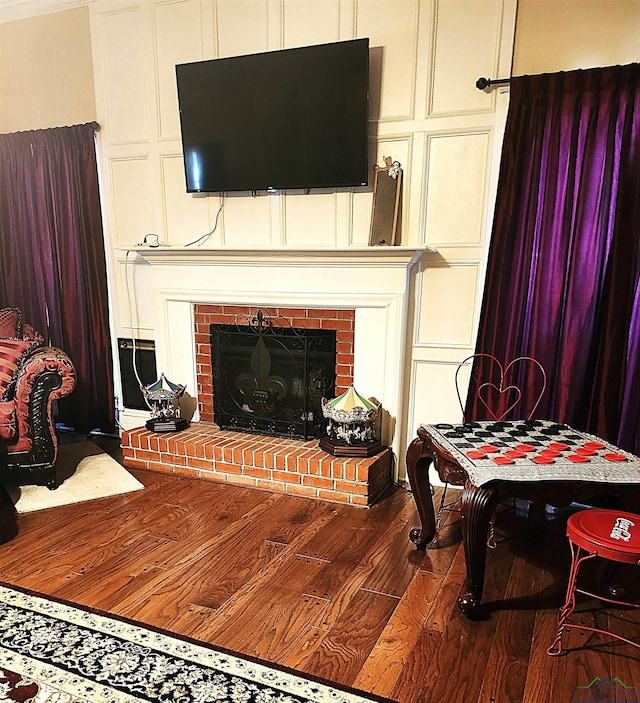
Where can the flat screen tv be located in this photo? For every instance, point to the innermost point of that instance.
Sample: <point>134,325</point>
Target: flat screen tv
<point>289,119</point>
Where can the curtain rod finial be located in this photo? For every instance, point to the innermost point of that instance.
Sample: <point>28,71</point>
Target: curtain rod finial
<point>484,83</point>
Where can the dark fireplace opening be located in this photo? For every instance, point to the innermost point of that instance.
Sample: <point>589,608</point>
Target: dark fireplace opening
<point>270,377</point>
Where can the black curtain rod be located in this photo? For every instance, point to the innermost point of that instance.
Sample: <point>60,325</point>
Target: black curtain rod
<point>483,83</point>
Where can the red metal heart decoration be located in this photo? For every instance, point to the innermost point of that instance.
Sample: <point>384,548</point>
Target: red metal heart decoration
<point>494,397</point>
<point>496,392</point>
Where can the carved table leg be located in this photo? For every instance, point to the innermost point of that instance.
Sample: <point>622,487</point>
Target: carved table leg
<point>418,474</point>
<point>478,506</point>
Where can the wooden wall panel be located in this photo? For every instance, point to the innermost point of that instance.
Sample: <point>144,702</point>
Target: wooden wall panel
<point>448,301</point>
<point>435,398</point>
<point>243,27</point>
<point>307,22</point>
<point>179,31</point>
<point>392,28</point>
<point>124,76</point>
<point>456,188</point>
<point>186,216</point>
<point>134,310</point>
<point>310,219</point>
<point>466,47</point>
<point>247,221</point>
<point>132,200</point>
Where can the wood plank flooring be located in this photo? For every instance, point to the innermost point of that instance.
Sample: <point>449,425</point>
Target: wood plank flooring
<point>330,590</point>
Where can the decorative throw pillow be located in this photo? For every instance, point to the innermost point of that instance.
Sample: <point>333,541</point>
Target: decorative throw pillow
<point>12,354</point>
<point>10,323</point>
<point>32,335</point>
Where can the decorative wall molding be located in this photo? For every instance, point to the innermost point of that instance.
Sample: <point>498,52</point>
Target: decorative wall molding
<point>425,112</point>
<point>11,10</point>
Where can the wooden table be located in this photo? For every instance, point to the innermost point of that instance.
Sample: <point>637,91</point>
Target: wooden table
<point>486,483</point>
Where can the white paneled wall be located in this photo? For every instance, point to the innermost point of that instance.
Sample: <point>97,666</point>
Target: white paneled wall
<point>466,37</point>
<point>457,172</point>
<point>425,112</point>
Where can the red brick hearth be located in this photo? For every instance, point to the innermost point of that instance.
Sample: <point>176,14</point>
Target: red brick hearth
<point>270,463</point>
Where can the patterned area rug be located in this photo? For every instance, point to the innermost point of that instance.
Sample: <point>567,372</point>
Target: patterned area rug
<point>51,652</point>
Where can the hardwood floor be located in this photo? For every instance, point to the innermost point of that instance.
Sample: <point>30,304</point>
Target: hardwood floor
<point>326,589</point>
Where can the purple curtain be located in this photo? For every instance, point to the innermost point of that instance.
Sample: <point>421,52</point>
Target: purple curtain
<point>52,261</point>
<point>563,276</point>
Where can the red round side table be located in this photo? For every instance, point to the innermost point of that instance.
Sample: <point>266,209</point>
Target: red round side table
<point>609,534</point>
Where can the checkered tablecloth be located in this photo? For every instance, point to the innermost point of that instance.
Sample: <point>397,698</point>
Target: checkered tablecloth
<point>502,439</point>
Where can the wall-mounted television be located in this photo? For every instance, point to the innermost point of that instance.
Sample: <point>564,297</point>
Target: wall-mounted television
<point>288,119</point>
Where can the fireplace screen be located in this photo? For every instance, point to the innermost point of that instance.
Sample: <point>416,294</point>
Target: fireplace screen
<point>270,378</point>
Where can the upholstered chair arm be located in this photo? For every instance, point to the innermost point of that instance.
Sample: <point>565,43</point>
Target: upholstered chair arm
<point>45,376</point>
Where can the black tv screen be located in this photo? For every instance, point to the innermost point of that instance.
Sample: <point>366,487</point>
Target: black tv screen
<point>295,118</point>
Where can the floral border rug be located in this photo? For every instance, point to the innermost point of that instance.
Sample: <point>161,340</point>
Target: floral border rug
<point>57,653</point>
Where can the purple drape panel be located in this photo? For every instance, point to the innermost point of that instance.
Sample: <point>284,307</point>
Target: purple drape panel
<point>563,273</point>
<point>52,258</point>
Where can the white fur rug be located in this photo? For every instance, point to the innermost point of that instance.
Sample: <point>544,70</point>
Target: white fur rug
<point>91,474</point>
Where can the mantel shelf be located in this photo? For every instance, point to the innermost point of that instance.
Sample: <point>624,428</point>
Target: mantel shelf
<point>374,282</point>
<point>359,256</point>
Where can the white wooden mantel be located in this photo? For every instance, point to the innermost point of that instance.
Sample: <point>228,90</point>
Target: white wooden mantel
<point>375,281</point>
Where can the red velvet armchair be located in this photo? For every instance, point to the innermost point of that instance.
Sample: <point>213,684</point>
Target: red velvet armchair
<point>32,377</point>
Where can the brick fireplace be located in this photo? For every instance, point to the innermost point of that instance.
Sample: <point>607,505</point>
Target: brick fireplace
<point>361,293</point>
<point>342,321</point>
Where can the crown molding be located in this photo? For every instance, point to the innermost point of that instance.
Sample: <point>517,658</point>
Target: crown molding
<point>11,10</point>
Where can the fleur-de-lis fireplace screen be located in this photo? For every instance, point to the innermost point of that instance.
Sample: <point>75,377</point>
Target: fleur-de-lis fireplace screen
<point>270,377</point>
